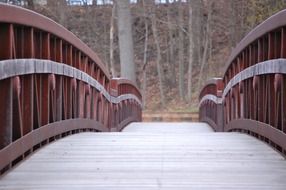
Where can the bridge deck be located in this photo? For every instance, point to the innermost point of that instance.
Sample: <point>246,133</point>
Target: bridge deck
<point>152,156</point>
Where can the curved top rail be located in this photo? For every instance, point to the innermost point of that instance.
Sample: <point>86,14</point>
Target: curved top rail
<point>273,22</point>
<point>214,81</point>
<point>125,81</point>
<point>117,82</point>
<point>213,86</point>
<point>18,15</point>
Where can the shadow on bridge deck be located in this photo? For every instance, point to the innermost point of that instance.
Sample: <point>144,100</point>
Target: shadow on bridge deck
<point>152,156</point>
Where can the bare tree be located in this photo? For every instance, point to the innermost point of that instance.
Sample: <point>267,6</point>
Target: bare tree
<point>159,66</point>
<point>238,17</point>
<point>181,51</point>
<point>106,41</point>
<point>59,9</point>
<point>206,41</point>
<point>30,4</point>
<point>144,85</point>
<point>197,30</point>
<point>171,42</point>
<point>125,40</point>
<point>191,49</point>
<point>111,48</point>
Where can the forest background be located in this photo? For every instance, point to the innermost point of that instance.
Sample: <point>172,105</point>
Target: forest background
<point>178,44</point>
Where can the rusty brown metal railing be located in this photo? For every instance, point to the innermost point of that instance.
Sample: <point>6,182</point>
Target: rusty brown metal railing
<point>211,104</point>
<point>52,85</point>
<point>254,96</point>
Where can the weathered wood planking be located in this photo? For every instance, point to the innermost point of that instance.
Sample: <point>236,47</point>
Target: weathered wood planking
<point>152,156</point>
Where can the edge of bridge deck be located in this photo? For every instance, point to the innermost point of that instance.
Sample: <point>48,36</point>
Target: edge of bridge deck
<point>168,127</point>
<point>204,160</point>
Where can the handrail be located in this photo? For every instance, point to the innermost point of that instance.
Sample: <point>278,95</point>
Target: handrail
<point>210,106</point>
<point>52,85</point>
<point>122,86</point>
<point>272,23</point>
<point>24,17</point>
<point>254,97</point>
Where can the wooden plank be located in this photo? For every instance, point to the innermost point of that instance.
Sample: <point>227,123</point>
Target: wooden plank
<point>152,156</point>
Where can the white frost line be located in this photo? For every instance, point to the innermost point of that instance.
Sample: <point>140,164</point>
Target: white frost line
<point>211,97</point>
<point>267,67</point>
<point>15,67</point>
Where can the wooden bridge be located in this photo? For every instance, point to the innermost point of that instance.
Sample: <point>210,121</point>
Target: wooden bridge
<point>61,116</point>
<point>152,156</point>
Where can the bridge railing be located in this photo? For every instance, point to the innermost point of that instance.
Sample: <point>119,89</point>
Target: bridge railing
<point>125,109</point>
<point>53,85</point>
<point>210,106</point>
<point>254,95</point>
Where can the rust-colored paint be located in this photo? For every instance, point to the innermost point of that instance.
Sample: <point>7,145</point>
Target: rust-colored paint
<point>37,108</point>
<point>256,104</point>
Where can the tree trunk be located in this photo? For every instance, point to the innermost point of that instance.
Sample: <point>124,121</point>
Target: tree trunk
<point>181,52</point>
<point>30,4</point>
<point>233,32</point>
<point>191,49</point>
<point>125,40</point>
<point>159,67</point>
<point>206,45</point>
<point>197,30</point>
<point>172,62</point>
<point>105,47</point>
<point>144,85</point>
<point>111,48</point>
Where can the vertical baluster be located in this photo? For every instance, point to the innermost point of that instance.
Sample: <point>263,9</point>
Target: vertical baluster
<point>59,80</point>
<point>96,106</point>
<point>80,99</point>
<point>27,86</point>
<point>74,86</point>
<point>283,43</point>
<point>87,102</point>
<point>92,103</point>
<point>44,87</point>
<point>38,46</point>
<point>270,78</point>
<point>278,86</point>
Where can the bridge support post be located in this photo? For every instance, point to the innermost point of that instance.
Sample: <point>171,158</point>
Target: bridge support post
<point>6,113</point>
<point>220,118</point>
